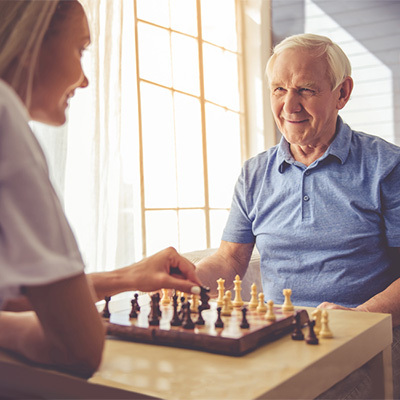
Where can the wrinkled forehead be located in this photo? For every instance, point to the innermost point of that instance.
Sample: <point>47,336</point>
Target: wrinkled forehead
<point>299,66</point>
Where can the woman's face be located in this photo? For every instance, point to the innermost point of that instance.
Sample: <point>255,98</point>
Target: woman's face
<point>59,71</point>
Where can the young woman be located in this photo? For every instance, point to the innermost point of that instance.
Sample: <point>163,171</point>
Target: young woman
<point>41,269</point>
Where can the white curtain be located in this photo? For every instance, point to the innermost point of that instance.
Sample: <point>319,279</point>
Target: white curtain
<point>94,158</point>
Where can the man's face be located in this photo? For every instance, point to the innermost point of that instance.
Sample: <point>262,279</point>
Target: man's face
<point>304,106</point>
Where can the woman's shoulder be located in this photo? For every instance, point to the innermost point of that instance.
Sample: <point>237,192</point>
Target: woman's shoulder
<point>11,103</point>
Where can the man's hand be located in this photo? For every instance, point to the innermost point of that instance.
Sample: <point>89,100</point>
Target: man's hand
<point>333,306</point>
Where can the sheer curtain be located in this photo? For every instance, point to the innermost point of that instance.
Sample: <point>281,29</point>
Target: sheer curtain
<point>93,159</point>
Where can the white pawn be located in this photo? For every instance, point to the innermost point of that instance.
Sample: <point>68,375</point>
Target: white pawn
<point>226,310</point>
<point>237,302</point>
<point>316,316</point>
<point>261,308</point>
<point>221,292</point>
<point>194,306</point>
<point>253,303</point>
<point>270,316</point>
<point>287,305</point>
<point>228,294</point>
<point>325,332</point>
<point>165,300</point>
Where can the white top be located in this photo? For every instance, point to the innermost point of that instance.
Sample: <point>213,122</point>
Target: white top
<point>37,245</point>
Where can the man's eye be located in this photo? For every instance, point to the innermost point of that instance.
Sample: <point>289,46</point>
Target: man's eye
<point>306,91</point>
<point>279,89</point>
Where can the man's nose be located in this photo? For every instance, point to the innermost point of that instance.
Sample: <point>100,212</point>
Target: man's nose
<point>292,102</point>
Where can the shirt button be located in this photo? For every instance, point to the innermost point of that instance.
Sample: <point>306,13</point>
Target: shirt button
<point>306,198</point>
<point>307,173</point>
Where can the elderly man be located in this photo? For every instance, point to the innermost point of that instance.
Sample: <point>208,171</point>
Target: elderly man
<point>323,206</point>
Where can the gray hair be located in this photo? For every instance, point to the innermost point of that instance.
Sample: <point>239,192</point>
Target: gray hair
<point>339,66</point>
<point>24,25</point>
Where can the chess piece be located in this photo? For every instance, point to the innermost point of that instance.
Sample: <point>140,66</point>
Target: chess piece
<point>228,294</point>
<point>270,316</point>
<point>325,332</point>
<point>154,316</point>
<point>253,303</point>
<point>106,312</point>
<point>316,316</point>
<point>245,324</point>
<point>175,321</point>
<point>261,307</point>
<point>221,292</point>
<point>194,306</point>
<point>237,302</point>
<point>219,323</point>
<point>204,298</point>
<point>297,333</point>
<point>311,338</point>
<point>226,310</point>
<point>188,323</point>
<point>200,320</point>
<point>133,313</point>
<point>136,296</point>
<point>287,305</point>
<point>165,297</point>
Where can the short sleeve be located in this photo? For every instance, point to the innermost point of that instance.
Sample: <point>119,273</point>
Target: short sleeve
<point>238,228</point>
<point>37,245</point>
<point>390,189</point>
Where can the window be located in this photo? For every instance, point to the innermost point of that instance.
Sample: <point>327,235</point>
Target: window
<point>189,120</point>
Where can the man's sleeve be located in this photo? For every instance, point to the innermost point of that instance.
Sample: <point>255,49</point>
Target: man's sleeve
<point>238,228</point>
<point>391,206</point>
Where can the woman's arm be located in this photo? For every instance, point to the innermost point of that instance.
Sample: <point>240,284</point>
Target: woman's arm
<point>66,331</point>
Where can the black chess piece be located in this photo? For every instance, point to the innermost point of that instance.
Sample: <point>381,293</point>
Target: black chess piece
<point>137,302</point>
<point>219,323</point>
<point>200,320</point>
<point>244,324</point>
<point>188,323</point>
<point>297,333</point>
<point>204,297</point>
<point>175,321</point>
<point>154,317</point>
<point>133,313</point>
<point>312,337</point>
<point>106,312</point>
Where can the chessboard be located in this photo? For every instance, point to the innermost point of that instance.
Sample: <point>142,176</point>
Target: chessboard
<point>185,324</point>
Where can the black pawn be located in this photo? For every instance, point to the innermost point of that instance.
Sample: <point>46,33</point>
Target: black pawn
<point>106,311</point>
<point>311,338</point>
<point>219,323</point>
<point>188,323</point>
<point>204,297</point>
<point>297,333</point>
<point>133,313</point>
<point>200,320</point>
<point>175,321</point>
<point>244,324</point>
<point>137,302</point>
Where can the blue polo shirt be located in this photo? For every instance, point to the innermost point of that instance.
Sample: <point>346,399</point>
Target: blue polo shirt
<point>325,230</point>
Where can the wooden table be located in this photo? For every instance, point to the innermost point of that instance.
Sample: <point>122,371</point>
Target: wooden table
<point>281,369</point>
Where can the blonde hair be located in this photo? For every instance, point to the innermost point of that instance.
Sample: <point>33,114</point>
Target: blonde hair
<point>339,66</point>
<point>23,28</point>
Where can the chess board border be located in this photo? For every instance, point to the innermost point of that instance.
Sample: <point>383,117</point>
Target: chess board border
<point>249,341</point>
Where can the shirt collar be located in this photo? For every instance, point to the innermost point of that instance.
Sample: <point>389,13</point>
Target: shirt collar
<point>339,148</point>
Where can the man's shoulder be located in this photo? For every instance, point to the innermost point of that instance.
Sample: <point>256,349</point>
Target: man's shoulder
<point>374,147</point>
<point>263,159</point>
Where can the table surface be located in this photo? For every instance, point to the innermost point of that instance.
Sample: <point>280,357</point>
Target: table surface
<point>281,369</point>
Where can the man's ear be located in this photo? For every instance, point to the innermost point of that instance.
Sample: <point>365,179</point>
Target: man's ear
<point>345,89</point>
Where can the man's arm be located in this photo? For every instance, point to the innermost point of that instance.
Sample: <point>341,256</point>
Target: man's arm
<point>387,301</point>
<point>229,260</point>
